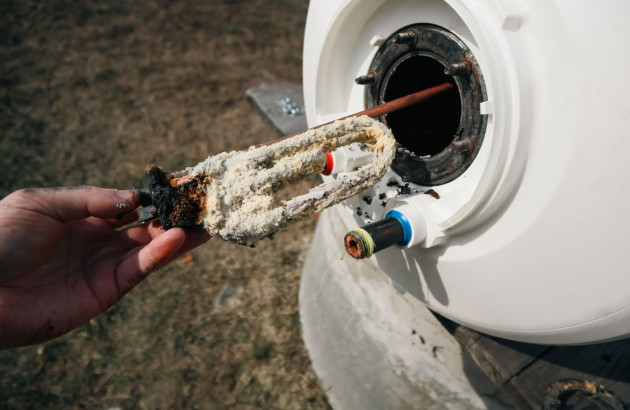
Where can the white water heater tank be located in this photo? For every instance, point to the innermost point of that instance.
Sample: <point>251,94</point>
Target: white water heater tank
<point>526,220</point>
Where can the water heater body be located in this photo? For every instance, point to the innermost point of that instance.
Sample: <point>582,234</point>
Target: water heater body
<point>517,178</point>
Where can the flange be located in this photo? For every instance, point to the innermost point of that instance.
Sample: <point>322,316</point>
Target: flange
<point>439,139</point>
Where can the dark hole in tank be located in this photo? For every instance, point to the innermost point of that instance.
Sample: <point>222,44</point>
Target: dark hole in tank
<point>427,128</point>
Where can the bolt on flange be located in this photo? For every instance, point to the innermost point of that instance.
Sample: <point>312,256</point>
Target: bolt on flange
<point>461,68</point>
<point>406,37</point>
<point>367,79</point>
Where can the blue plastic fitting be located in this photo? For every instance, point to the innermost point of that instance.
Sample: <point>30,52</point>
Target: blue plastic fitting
<point>404,222</point>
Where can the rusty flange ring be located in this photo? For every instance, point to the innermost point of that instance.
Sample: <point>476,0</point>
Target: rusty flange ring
<point>438,47</point>
<point>582,394</point>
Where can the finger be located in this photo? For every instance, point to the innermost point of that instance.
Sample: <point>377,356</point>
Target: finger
<point>157,253</point>
<point>193,240</point>
<point>139,235</point>
<point>69,204</point>
<point>160,250</point>
<point>123,219</point>
<point>141,267</point>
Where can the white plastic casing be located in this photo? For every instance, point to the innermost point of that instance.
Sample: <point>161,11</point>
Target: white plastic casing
<point>350,158</point>
<point>530,242</point>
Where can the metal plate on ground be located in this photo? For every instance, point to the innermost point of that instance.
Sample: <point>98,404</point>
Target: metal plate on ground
<point>281,105</point>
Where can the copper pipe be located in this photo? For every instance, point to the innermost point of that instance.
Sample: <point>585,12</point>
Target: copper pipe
<point>404,102</point>
<point>389,107</point>
<point>365,241</point>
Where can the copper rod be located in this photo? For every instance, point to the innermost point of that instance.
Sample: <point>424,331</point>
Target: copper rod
<point>404,102</point>
<point>388,107</point>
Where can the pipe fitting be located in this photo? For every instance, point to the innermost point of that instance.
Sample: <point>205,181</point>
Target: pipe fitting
<point>402,226</point>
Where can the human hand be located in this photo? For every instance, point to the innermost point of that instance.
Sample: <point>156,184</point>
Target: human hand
<point>64,258</point>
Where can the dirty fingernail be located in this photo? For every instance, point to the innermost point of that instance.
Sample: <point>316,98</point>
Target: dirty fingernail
<point>125,194</point>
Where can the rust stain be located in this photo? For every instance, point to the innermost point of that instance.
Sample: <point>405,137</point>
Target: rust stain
<point>178,200</point>
<point>175,182</point>
<point>432,193</point>
<point>353,246</point>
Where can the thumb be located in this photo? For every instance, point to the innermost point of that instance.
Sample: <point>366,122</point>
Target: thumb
<point>141,262</point>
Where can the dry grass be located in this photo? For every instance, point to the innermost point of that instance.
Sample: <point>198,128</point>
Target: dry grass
<point>93,91</point>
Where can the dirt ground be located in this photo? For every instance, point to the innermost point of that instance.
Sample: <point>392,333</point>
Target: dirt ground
<point>90,93</point>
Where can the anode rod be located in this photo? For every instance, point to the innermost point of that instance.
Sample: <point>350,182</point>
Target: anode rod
<point>390,106</point>
<point>404,102</point>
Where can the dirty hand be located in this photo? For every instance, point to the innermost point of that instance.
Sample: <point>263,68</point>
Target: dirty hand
<point>63,259</point>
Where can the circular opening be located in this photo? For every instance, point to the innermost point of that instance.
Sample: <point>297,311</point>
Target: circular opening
<point>353,246</point>
<point>428,128</point>
<point>440,138</point>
